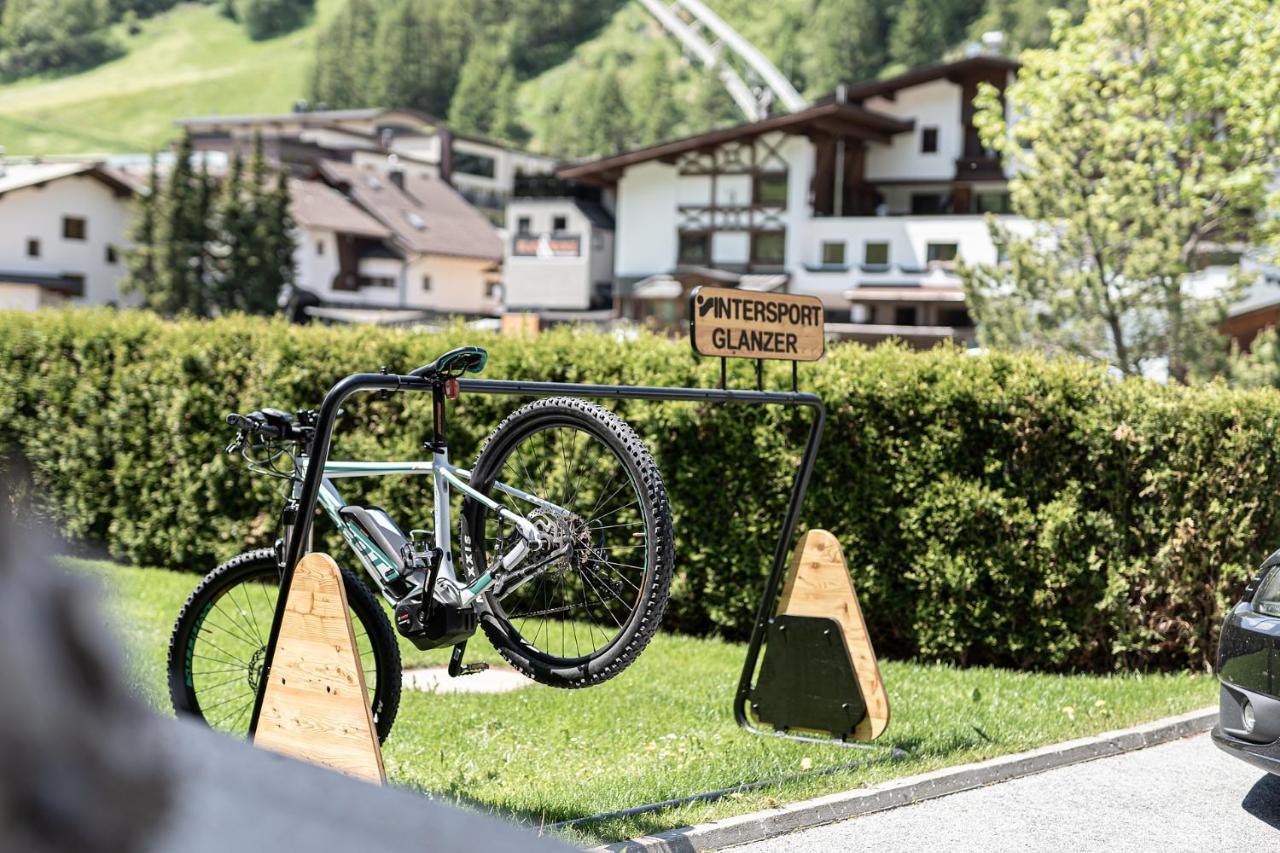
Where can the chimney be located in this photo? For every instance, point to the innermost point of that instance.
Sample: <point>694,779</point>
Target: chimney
<point>394,172</point>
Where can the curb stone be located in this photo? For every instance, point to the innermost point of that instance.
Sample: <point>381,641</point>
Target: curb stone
<point>805,814</point>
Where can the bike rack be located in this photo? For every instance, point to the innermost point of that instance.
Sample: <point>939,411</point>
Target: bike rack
<point>392,382</point>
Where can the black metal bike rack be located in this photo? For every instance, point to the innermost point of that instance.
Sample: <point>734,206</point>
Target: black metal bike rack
<point>390,382</point>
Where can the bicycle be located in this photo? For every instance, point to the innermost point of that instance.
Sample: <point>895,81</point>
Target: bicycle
<point>565,538</point>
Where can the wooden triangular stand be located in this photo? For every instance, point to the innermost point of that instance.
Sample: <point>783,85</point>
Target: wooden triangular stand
<point>316,704</point>
<point>819,585</point>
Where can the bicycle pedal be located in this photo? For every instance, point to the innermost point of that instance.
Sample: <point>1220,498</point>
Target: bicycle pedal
<point>472,669</point>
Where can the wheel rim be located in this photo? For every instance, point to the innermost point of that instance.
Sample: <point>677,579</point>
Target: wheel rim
<point>585,601</point>
<point>227,648</point>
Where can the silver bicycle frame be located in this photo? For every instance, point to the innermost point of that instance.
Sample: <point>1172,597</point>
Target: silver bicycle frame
<point>445,476</point>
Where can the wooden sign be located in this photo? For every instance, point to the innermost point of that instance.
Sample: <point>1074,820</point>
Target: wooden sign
<point>819,585</point>
<point>316,705</point>
<point>732,323</point>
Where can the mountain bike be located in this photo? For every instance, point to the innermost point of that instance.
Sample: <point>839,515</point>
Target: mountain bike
<point>565,547</point>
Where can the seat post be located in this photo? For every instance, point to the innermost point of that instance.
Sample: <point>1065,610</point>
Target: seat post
<point>438,442</point>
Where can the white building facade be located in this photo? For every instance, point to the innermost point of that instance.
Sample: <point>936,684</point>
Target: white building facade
<point>63,232</point>
<point>559,255</point>
<point>866,199</point>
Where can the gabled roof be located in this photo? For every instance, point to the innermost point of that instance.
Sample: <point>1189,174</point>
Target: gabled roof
<point>21,175</point>
<point>310,117</point>
<point>831,117</point>
<point>955,71</point>
<point>427,216</point>
<point>313,204</point>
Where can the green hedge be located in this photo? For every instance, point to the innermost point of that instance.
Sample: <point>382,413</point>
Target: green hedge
<point>1001,509</point>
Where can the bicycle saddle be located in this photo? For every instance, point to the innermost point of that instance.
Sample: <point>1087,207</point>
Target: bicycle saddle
<point>460,360</point>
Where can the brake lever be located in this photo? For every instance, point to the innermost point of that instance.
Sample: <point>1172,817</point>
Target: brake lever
<point>236,444</point>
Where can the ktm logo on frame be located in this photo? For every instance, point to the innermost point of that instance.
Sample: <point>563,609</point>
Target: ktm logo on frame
<point>725,322</point>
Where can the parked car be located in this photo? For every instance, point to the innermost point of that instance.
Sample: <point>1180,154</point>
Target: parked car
<point>1249,672</point>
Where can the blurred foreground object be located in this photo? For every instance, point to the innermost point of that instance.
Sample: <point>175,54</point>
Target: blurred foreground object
<point>87,768</point>
<point>82,769</point>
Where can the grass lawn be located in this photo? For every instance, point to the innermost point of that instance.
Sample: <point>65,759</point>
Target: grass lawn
<point>664,728</point>
<point>188,61</point>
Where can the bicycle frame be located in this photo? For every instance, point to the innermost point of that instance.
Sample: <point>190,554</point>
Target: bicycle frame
<point>445,477</point>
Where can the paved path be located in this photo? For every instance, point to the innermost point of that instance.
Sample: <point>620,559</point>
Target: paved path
<point>1181,796</point>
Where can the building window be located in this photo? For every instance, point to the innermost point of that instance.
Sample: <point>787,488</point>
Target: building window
<point>73,228</point>
<point>771,189</point>
<point>943,254</point>
<point>957,318</point>
<point>929,140</point>
<point>111,254</point>
<point>474,164</point>
<point>833,253</point>
<point>426,283</point>
<point>994,203</point>
<point>769,248</point>
<point>33,248</point>
<point>524,225</point>
<point>559,224</point>
<point>319,247</point>
<point>875,254</point>
<point>695,248</point>
<point>904,315</point>
<point>925,204</point>
<point>77,280</point>
<point>375,281</point>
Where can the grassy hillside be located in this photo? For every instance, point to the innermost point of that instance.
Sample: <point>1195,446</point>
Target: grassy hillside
<point>193,61</point>
<point>188,61</point>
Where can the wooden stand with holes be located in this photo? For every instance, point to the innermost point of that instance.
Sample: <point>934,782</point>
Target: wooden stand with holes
<point>315,706</point>
<point>821,610</point>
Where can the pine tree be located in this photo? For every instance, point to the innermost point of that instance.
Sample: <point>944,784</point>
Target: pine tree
<point>657,114</point>
<point>180,239</point>
<point>506,125</point>
<point>234,220</point>
<point>606,125</point>
<point>918,34</point>
<point>280,245</point>
<point>475,102</point>
<point>713,105</point>
<point>846,40</point>
<point>405,48</point>
<point>344,71</point>
<point>141,260</point>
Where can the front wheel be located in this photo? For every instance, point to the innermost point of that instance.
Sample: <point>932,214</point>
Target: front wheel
<point>220,638</point>
<point>579,611</point>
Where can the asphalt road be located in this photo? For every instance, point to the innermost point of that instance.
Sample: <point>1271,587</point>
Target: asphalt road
<point>1181,796</point>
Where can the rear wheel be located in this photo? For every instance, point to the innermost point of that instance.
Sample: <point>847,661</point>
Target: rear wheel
<point>220,638</point>
<point>605,575</point>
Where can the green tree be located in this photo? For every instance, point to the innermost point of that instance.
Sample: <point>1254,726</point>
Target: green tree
<point>656,111</point>
<point>264,19</point>
<point>234,221</point>
<point>845,42</point>
<point>1145,136</point>
<point>605,120</point>
<point>141,259</point>
<point>476,102</point>
<point>344,70</point>
<point>919,33</point>
<point>405,49</point>
<point>181,235</point>
<point>43,35</point>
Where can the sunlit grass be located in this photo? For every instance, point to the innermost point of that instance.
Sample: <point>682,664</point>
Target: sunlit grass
<point>664,728</point>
